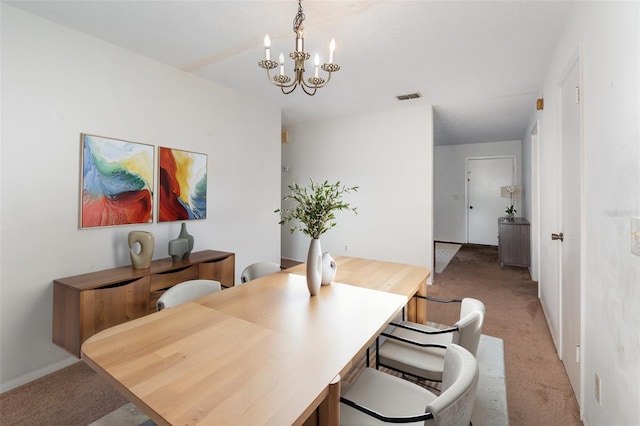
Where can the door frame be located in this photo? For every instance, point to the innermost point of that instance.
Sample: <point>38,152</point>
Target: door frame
<point>576,59</point>
<point>515,177</point>
<point>534,269</point>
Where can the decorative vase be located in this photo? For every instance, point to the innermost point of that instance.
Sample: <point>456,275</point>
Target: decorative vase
<point>178,248</point>
<point>141,259</point>
<point>329,268</point>
<point>314,267</point>
<point>184,234</point>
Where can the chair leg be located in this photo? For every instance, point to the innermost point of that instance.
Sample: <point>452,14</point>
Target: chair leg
<point>377,353</point>
<point>367,358</point>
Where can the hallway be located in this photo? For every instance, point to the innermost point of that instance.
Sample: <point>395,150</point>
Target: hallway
<point>538,389</point>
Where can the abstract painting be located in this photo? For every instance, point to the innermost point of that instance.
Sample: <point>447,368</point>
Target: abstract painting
<point>116,182</point>
<point>183,185</point>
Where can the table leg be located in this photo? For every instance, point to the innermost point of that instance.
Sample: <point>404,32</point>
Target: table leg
<point>417,308</point>
<point>329,409</point>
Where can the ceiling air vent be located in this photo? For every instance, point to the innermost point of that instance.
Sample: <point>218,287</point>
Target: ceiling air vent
<point>409,96</point>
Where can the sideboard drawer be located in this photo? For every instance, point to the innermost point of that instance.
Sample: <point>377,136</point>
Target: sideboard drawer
<point>167,279</point>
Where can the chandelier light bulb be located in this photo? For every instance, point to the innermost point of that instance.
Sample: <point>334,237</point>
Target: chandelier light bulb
<point>316,63</point>
<point>281,61</point>
<point>267,44</point>
<point>299,42</point>
<point>332,48</point>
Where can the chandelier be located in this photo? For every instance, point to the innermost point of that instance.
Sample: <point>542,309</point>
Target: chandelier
<point>286,84</point>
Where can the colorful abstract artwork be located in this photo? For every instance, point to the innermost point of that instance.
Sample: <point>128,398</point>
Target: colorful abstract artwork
<point>182,194</point>
<point>116,183</point>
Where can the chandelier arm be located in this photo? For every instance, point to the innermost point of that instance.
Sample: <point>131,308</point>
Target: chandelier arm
<point>315,89</point>
<point>295,84</point>
<point>318,86</point>
<point>311,86</point>
<point>328,79</point>
<point>275,83</point>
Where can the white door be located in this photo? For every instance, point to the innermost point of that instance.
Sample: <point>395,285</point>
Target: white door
<point>485,176</point>
<point>570,227</point>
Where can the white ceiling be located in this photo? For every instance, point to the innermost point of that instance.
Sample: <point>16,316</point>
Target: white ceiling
<point>480,63</point>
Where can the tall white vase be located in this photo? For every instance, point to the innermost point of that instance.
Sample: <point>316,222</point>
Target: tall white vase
<point>314,267</point>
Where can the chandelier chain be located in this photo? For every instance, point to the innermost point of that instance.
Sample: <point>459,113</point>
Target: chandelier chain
<point>297,21</point>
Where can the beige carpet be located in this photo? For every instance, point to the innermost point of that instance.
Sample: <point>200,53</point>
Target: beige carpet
<point>73,396</point>
<point>444,253</point>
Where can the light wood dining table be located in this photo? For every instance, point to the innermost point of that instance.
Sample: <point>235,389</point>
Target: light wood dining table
<point>391,277</point>
<point>265,352</point>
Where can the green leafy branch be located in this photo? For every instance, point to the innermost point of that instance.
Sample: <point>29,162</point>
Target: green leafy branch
<point>315,207</point>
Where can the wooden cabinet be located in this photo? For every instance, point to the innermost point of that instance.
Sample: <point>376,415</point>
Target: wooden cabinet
<point>86,304</point>
<point>513,242</point>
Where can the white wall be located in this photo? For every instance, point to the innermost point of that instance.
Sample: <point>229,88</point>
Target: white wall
<point>608,34</point>
<point>389,156</point>
<point>450,184</point>
<point>57,83</point>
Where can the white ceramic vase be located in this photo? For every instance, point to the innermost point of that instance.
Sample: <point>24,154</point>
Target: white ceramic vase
<point>329,268</point>
<point>314,267</point>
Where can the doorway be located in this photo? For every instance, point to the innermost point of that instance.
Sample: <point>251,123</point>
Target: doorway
<point>485,177</point>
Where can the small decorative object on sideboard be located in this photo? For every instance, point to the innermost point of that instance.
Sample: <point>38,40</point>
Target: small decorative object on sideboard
<point>315,214</point>
<point>180,248</point>
<point>511,213</point>
<point>510,192</point>
<point>145,241</point>
<point>329,268</point>
<point>184,234</point>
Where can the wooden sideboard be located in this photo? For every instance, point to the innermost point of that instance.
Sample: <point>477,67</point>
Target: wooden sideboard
<point>86,304</point>
<point>513,242</point>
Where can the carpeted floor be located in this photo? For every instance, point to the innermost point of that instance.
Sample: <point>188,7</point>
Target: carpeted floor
<point>538,389</point>
<point>73,396</point>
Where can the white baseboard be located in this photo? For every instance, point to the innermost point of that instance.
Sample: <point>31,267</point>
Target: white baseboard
<point>33,375</point>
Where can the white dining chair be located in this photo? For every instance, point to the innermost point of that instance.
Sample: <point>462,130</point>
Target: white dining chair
<point>186,291</point>
<point>419,350</point>
<point>377,397</point>
<point>257,270</point>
